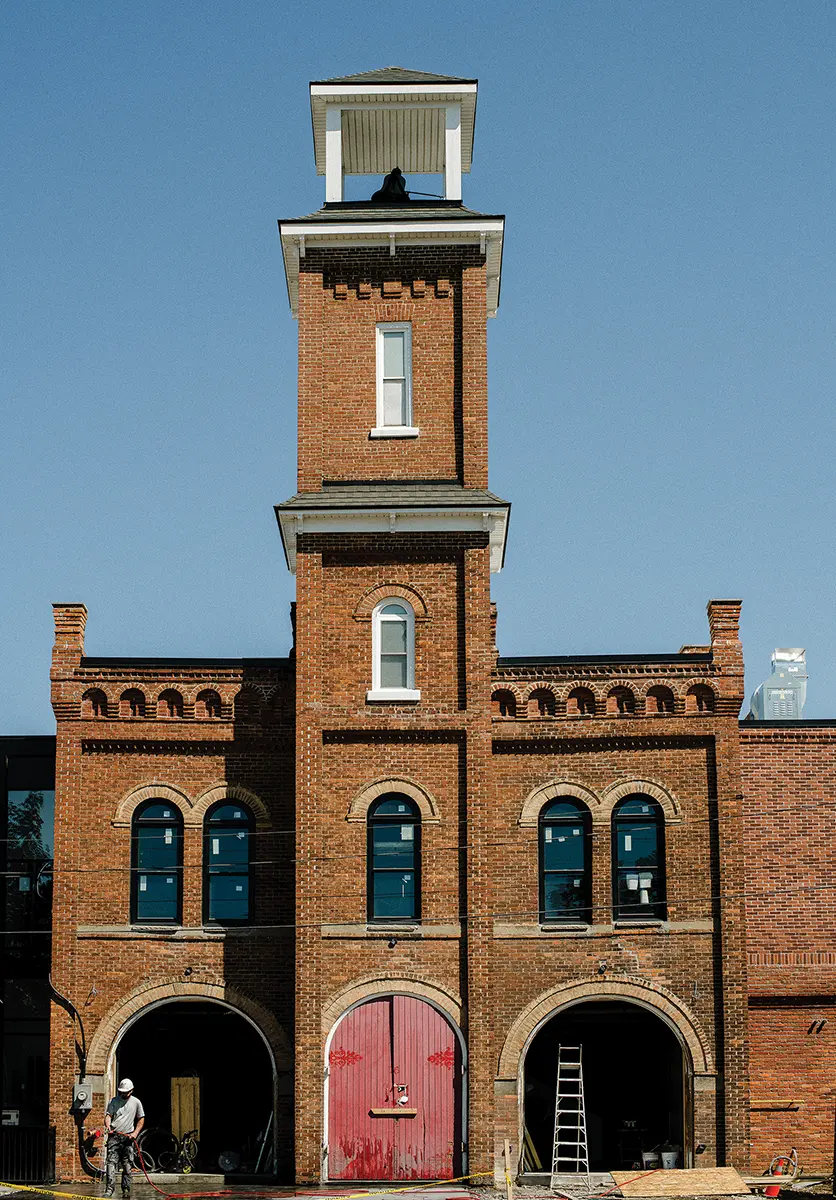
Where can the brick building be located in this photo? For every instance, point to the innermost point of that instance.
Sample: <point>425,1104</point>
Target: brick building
<point>363,893</point>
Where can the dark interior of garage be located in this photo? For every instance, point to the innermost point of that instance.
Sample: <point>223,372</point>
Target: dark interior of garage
<point>201,1057</point>
<point>633,1084</point>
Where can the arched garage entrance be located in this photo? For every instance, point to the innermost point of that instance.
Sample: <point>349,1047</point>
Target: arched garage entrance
<point>200,1064</point>
<point>394,1092</point>
<point>634,1079</point>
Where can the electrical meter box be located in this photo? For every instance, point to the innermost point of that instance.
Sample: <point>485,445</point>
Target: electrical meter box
<point>82,1097</point>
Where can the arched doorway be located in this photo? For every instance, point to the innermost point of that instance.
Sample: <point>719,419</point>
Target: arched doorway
<point>394,1092</point>
<point>201,1064</point>
<point>634,1071</point>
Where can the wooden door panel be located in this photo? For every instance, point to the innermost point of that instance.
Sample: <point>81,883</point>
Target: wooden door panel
<point>394,1093</point>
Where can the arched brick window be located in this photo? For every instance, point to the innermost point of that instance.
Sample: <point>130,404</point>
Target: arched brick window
<point>638,847</point>
<point>504,704</point>
<point>660,700</point>
<point>700,699</point>
<point>565,883</point>
<point>207,706</point>
<point>393,864</point>
<point>541,703</point>
<point>621,701</point>
<point>227,868</point>
<point>170,704</point>
<point>157,863</point>
<point>580,702</point>
<point>132,703</point>
<point>94,703</point>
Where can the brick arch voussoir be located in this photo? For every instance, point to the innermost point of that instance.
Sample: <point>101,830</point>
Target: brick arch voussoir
<point>647,995</point>
<point>533,688</point>
<point>229,791</point>
<point>672,686</point>
<point>534,801</point>
<point>516,690</point>
<point>711,684</point>
<point>642,787</point>
<point>370,600</point>
<point>147,994</point>
<point>359,807</point>
<point>574,685</point>
<point>368,987</point>
<point>129,803</point>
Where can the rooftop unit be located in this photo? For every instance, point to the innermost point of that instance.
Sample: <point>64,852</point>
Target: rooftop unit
<point>782,696</point>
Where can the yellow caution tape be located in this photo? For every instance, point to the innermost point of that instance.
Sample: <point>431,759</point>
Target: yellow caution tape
<point>415,1187</point>
<point>25,1187</point>
<point>420,1187</point>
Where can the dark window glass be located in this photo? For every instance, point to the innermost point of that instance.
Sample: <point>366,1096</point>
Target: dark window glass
<point>564,863</point>
<point>156,877</point>
<point>227,883</point>
<point>394,860</point>
<point>638,835</point>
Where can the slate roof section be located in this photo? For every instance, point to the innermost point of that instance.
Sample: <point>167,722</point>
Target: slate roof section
<point>394,75</point>
<point>413,210</point>
<point>394,494</point>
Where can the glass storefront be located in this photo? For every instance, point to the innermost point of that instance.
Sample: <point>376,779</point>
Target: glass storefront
<point>27,800</point>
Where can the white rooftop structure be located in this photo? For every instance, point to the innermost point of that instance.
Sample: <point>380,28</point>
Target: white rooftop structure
<point>369,123</point>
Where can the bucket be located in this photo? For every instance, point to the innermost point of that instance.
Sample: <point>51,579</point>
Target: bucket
<point>650,1160</point>
<point>670,1159</point>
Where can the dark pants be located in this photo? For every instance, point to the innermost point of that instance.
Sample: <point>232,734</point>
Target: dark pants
<point>120,1152</point>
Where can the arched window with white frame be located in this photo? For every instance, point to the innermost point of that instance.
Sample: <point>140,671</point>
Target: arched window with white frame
<point>393,651</point>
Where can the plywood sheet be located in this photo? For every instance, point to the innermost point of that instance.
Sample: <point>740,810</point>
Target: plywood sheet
<point>702,1181</point>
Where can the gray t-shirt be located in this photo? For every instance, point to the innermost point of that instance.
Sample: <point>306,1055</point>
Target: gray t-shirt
<point>124,1113</point>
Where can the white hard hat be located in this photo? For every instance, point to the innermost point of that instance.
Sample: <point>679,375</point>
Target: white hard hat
<point>126,1085</point>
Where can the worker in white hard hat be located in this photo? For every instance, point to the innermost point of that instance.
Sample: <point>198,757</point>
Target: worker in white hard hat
<point>124,1119</point>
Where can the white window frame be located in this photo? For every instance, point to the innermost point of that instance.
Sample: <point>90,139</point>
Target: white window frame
<point>381,430</point>
<point>410,692</point>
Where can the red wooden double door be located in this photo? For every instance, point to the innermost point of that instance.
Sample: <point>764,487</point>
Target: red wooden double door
<point>394,1093</point>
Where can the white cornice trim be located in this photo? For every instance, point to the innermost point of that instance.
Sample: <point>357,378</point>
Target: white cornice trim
<point>493,521</point>
<point>357,90</point>
<point>298,237</point>
<point>327,230</point>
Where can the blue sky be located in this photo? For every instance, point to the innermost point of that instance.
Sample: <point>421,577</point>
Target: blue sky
<point>661,369</point>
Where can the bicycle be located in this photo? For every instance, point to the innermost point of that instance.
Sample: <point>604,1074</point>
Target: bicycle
<point>181,1158</point>
<point>153,1144</point>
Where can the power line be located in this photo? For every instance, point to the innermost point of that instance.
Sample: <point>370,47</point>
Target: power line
<point>505,914</point>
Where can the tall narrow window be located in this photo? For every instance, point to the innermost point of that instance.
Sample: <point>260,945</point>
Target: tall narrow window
<point>227,875</point>
<point>638,836</point>
<point>394,859</point>
<point>564,863</point>
<point>394,381</point>
<point>157,864</point>
<point>393,652</point>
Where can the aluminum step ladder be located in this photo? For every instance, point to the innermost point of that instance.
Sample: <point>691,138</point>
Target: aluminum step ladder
<point>570,1153</point>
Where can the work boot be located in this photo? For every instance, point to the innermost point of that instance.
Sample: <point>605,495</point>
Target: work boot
<point>126,1194</point>
<point>108,1194</point>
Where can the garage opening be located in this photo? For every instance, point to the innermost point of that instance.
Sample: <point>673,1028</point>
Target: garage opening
<point>199,1065</point>
<point>634,1084</point>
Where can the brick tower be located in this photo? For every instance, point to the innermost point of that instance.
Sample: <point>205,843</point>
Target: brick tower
<point>393,536</point>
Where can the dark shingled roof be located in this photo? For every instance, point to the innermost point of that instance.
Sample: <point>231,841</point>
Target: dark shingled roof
<point>413,210</point>
<point>395,75</point>
<point>394,494</point>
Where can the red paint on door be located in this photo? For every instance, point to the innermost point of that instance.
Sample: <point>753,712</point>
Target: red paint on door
<point>396,1053</point>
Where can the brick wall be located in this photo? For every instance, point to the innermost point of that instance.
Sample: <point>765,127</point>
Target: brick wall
<point>789,776</point>
<point>99,960</point>
<point>342,297</point>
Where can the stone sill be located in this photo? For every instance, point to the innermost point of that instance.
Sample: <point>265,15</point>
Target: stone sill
<point>514,930</point>
<point>362,931</point>
<point>175,933</point>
